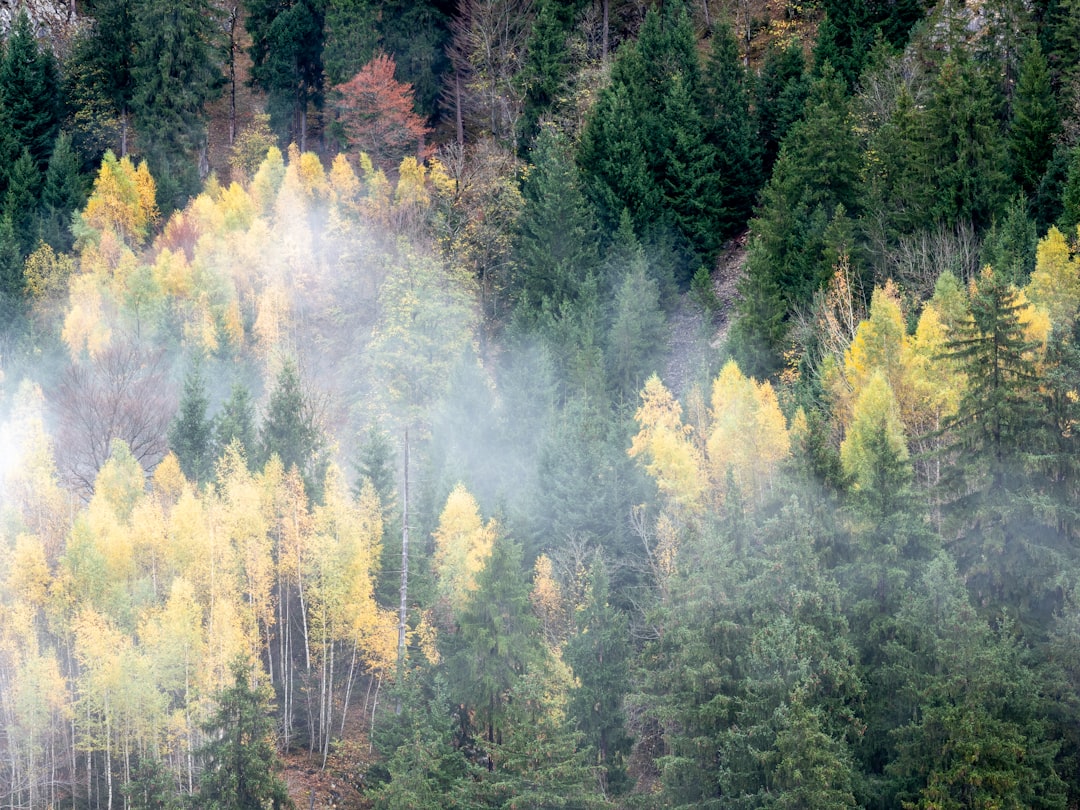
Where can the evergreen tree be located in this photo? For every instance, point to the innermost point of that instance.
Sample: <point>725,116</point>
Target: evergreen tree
<point>191,432</point>
<point>497,640</point>
<point>546,67</point>
<point>176,72</point>
<point>103,68</point>
<point>730,128</point>
<point>966,150</point>
<point>11,268</point>
<point>64,193</point>
<point>289,429</point>
<point>636,339</point>
<point>557,245</point>
<point>236,422</point>
<point>30,99</point>
<point>287,61</point>
<point>804,212</point>
<point>781,92</point>
<point>20,202</point>
<point>1034,121</point>
<point>152,787</point>
<point>844,39</point>
<point>242,765</point>
<point>599,653</point>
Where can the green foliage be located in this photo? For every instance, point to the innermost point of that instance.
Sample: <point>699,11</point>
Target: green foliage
<point>30,99</point>
<point>287,61</point>
<point>20,201</point>
<point>236,423</point>
<point>546,67</point>
<point>64,193</point>
<point>191,432</point>
<point>176,72</point>
<point>290,428</point>
<point>780,95</point>
<point>557,244</point>
<point>636,339</point>
<point>1034,121</point>
<point>242,765</point>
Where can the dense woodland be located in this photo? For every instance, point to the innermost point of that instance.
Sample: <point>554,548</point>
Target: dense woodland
<point>377,430</point>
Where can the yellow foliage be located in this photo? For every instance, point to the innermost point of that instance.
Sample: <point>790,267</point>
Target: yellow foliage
<point>548,603</point>
<point>237,208</point>
<point>28,572</point>
<point>168,479</point>
<point>462,546</point>
<point>1055,283</point>
<point>663,441</point>
<point>878,346</point>
<point>173,273</point>
<point>749,437</point>
<point>267,180</point>
<point>876,416</point>
<point>312,176</point>
<point>412,189</point>
<point>46,274</point>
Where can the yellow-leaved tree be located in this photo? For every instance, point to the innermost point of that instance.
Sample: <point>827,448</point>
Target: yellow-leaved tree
<point>664,445</point>
<point>1055,283</point>
<point>748,438</point>
<point>463,544</point>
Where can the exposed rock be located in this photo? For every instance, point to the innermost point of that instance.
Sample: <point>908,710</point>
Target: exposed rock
<point>55,21</point>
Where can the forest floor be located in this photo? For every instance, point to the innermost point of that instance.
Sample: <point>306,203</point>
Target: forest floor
<point>695,333</point>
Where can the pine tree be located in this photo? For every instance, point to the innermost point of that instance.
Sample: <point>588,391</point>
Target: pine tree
<point>64,193</point>
<point>780,91</point>
<point>242,765</point>
<point>104,68</point>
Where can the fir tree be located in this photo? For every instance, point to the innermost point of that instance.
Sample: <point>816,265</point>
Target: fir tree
<point>176,72</point>
<point>546,67</point>
<point>64,193</point>
<point>236,422</point>
<point>20,202</point>
<point>289,429</point>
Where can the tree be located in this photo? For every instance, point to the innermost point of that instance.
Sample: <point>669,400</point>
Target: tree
<point>121,394</point>
<point>545,68</point>
<point>375,112</point>
<point>557,242</point>
<point>636,339</point>
<point>966,149</point>
<point>191,432</point>
<point>176,72</point>
<point>242,765</point>
<point>1034,121</point>
<point>874,451</point>
<point>236,423</point>
<point>64,193</point>
<point>20,202</point>
<point>29,99</point>
<point>290,429</point>
<point>462,547</point>
<point>287,62</point>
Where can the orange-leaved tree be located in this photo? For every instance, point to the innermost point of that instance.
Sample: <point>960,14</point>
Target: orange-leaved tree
<point>376,114</point>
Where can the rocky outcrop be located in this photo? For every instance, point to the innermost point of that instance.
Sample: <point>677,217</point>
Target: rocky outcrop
<point>54,20</point>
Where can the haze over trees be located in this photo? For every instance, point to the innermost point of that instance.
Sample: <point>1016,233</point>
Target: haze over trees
<point>557,404</point>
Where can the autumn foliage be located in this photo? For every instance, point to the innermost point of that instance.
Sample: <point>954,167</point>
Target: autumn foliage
<point>375,112</point>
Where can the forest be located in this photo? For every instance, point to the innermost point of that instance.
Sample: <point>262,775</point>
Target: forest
<point>540,404</point>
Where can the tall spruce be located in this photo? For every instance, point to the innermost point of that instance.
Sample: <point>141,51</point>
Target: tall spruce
<point>191,432</point>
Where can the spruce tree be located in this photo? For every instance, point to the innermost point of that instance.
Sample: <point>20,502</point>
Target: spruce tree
<point>287,61</point>
<point>780,96</point>
<point>1034,121</point>
<point>177,70</point>
<point>236,422</point>
<point>65,192</point>
<point>289,429</point>
<point>20,202</point>
<point>191,432</point>
<point>30,99</point>
<point>558,240</point>
<point>730,128</point>
<point>546,67</point>
<point>242,765</point>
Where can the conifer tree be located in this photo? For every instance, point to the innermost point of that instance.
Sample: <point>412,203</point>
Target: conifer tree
<point>191,433</point>
<point>64,193</point>
<point>557,245</point>
<point>236,422</point>
<point>177,70</point>
<point>29,99</point>
<point>20,201</point>
<point>242,765</point>
<point>1034,121</point>
<point>287,61</point>
<point>546,67</point>
<point>289,429</point>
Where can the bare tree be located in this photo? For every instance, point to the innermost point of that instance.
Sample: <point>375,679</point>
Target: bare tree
<point>124,393</point>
